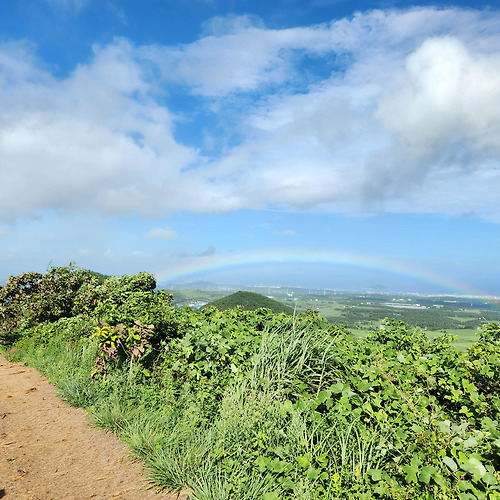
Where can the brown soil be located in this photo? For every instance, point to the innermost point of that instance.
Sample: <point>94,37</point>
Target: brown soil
<point>48,450</point>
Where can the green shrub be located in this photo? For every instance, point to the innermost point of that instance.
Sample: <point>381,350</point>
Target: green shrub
<point>255,405</point>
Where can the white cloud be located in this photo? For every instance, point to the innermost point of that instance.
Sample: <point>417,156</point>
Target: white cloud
<point>447,94</point>
<point>95,141</point>
<point>399,107</point>
<point>231,24</point>
<point>237,55</point>
<point>409,108</point>
<point>165,233</point>
<point>215,66</point>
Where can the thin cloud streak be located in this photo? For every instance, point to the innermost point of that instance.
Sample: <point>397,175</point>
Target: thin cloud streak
<point>162,233</point>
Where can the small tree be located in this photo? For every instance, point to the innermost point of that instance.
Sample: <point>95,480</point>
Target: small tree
<point>32,298</point>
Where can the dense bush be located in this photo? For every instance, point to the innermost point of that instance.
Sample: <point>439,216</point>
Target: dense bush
<point>256,405</point>
<point>32,298</point>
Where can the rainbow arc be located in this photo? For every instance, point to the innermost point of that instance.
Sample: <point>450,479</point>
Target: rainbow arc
<point>197,267</point>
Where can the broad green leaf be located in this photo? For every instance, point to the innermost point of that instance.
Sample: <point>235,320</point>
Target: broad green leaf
<point>363,386</point>
<point>474,467</point>
<point>322,460</point>
<point>262,462</point>
<point>312,473</point>
<point>444,427</point>
<point>426,473</point>
<point>490,479</point>
<point>303,461</point>
<point>375,474</point>
<point>287,484</point>
<point>464,485</point>
<point>470,443</point>
<point>337,388</point>
<point>438,479</point>
<point>271,496</point>
<point>401,434</point>
<point>467,496</point>
<point>412,469</point>
<point>323,396</point>
<point>452,465</point>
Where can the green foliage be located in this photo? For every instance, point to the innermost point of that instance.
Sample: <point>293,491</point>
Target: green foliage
<point>490,333</point>
<point>484,367</point>
<point>32,298</point>
<point>257,405</point>
<point>119,344</point>
<point>127,300</point>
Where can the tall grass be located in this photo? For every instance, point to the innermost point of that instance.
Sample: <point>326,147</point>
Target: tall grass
<point>291,350</point>
<point>250,448</point>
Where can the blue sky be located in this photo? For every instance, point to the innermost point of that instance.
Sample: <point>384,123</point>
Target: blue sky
<point>329,143</point>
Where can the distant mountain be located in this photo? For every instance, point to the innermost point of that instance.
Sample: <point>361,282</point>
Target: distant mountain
<point>250,301</point>
<point>189,285</point>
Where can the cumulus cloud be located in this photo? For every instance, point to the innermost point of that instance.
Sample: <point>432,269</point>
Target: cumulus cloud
<point>446,94</point>
<point>95,141</point>
<point>410,113</point>
<point>400,111</point>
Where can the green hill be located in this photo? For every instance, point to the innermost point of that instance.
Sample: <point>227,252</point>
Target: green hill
<point>250,301</point>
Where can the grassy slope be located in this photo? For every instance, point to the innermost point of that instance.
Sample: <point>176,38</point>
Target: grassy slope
<point>250,301</point>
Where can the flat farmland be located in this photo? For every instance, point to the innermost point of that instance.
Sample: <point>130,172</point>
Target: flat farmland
<point>362,312</point>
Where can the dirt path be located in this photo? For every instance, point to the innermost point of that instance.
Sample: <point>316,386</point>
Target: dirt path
<point>48,450</point>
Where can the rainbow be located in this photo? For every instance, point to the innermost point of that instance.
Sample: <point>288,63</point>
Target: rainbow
<point>197,267</point>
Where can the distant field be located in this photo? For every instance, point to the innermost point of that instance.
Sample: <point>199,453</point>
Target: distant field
<point>362,312</point>
<point>461,317</point>
<point>464,338</point>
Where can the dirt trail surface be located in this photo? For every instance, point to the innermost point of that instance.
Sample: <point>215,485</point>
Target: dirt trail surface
<point>48,450</point>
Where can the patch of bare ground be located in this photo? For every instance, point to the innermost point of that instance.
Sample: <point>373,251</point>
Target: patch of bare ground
<point>48,450</point>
